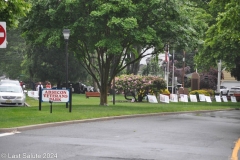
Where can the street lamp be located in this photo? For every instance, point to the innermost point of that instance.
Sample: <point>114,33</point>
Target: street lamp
<point>66,34</point>
<point>147,61</point>
<point>219,76</point>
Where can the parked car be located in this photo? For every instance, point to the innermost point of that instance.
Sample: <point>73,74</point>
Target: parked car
<point>233,90</point>
<point>224,90</point>
<point>79,88</point>
<point>12,95</point>
<point>10,81</point>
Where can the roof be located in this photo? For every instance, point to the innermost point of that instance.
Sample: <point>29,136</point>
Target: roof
<point>228,77</point>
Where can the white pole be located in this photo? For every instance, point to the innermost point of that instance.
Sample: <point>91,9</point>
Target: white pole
<point>167,65</point>
<point>219,76</point>
<point>173,85</point>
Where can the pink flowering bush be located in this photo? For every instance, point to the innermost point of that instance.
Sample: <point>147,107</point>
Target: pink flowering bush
<point>139,85</point>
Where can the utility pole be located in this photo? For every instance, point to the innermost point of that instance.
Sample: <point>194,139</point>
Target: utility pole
<point>167,61</point>
<point>219,76</point>
<point>173,85</point>
<point>183,71</point>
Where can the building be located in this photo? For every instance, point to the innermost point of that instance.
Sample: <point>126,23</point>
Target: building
<point>228,80</point>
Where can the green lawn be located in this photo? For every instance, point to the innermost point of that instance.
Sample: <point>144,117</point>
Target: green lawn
<point>83,108</point>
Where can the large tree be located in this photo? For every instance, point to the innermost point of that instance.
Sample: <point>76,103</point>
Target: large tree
<point>222,37</point>
<point>49,64</point>
<point>107,36</point>
<point>11,58</point>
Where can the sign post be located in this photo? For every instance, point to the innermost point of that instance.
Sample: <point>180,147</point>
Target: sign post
<point>55,95</point>
<point>3,35</point>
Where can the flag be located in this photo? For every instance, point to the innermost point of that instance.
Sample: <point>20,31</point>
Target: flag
<point>166,56</point>
<point>166,48</point>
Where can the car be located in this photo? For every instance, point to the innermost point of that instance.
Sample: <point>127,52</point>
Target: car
<point>12,95</point>
<point>224,90</point>
<point>10,81</point>
<point>80,88</point>
<point>233,90</point>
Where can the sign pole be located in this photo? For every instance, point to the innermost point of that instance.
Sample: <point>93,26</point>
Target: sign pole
<point>40,97</point>
<point>70,98</point>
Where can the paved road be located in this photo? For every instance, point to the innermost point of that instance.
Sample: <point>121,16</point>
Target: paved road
<point>191,136</point>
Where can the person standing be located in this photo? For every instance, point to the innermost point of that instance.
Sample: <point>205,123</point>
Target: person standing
<point>39,85</point>
<point>48,85</point>
<point>21,83</point>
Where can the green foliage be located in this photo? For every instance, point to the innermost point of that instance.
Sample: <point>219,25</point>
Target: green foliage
<point>222,37</point>
<point>164,91</point>
<point>158,84</point>
<point>12,10</point>
<point>12,57</point>
<point>153,68</point>
<point>111,30</point>
<point>49,64</point>
<point>206,92</point>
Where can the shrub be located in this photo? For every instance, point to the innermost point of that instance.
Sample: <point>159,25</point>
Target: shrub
<point>141,85</point>
<point>164,91</point>
<point>197,92</point>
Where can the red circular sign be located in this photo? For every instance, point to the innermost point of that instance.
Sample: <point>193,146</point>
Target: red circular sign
<point>2,35</point>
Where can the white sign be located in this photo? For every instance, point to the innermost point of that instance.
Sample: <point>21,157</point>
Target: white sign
<point>152,99</point>
<point>193,98</point>
<point>218,99</point>
<point>3,35</point>
<point>55,95</point>
<point>233,99</point>
<point>224,98</point>
<point>164,98</point>
<point>208,99</point>
<point>202,97</point>
<point>33,94</point>
<point>183,98</point>
<point>173,97</point>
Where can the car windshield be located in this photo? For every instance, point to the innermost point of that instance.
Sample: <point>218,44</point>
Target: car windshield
<point>9,81</point>
<point>15,89</point>
<point>235,88</point>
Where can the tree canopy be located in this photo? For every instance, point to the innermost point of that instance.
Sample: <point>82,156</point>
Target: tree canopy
<point>106,34</point>
<point>11,11</point>
<point>11,58</point>
<point>222,38</point>
<point>49,64</point>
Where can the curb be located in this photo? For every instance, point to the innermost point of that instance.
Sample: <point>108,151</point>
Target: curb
<point>54,124</point>
<point>26,105</point>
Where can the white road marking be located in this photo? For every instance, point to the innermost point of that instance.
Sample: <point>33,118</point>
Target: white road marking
<point>8,134</point>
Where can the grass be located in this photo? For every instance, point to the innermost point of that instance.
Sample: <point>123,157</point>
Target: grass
<point>83,108</point>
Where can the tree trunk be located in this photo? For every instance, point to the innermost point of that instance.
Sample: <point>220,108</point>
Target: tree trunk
<point>104,95</point>
<point>95,89</point>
